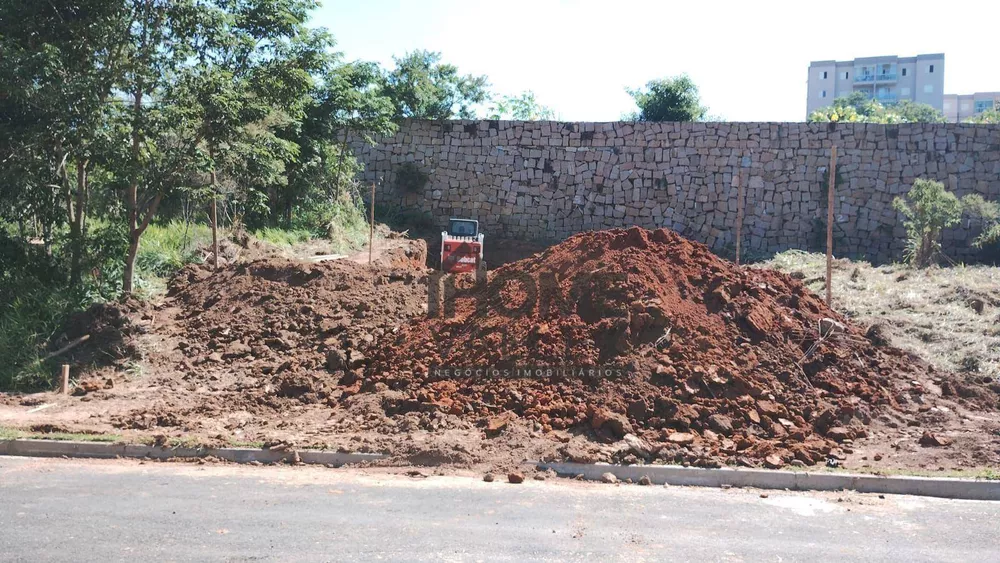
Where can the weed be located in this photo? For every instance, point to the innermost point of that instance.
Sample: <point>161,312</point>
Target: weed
<point>283,237</point>
<point>927,312</point>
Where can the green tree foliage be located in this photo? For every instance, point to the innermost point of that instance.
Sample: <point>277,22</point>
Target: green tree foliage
<point>929,209</point>
<point>861,108</point>
<point>915,112</point>
<point>117,116</point>
<point>422,87</point>
<point>58,64</point>
<point>167,101</point>
<point>988,117</point>
<point>668,99</point>
<point>523,107</point>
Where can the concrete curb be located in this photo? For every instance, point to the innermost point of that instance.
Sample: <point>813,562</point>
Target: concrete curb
<point>55,448</point>
<point>797,481</point>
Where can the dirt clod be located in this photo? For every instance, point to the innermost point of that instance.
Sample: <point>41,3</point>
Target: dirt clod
<point>929,439</point>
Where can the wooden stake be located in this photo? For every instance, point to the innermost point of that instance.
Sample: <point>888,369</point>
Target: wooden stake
<point>371,227</point>
<point>739,211</point>
<point>64,380</point>
<point>829,226</point>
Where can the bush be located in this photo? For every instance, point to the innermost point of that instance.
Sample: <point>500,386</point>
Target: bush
<point>929,209</point>
<point>340,217</point>
<point>989,213</point>
<point>34,301</point>
<point>347,224</point>
<point>35,298</point>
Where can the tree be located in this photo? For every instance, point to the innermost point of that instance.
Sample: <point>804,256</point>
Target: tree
<point>859,107</point>
<point>669,99</point>
<point>929,209</point>
<point>915,112</point>
<point>422,87</point>
<point>523,107</point>
<point>58,65</point>
<point>203,76</point>
<point>348,100</point>
<point>988,117</point>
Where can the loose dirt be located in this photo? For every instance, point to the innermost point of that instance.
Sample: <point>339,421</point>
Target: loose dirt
<point>705,363</point>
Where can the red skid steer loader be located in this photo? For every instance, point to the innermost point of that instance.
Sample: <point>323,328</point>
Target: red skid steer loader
<point>461,247</point>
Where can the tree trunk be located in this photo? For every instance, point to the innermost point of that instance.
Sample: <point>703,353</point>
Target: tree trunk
<point>77,225</point>
<point>133,250</point>
<point>340,163</point>
<point>215,226</point>
<point>132,200</point>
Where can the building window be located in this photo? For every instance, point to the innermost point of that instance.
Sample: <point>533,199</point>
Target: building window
<point>928,88</point>
<point>904,72</point>
<point>824,75</point>
<point>930,69</point>
<point>846,75</point>
<point>983,105</point>
<point>822,94</point>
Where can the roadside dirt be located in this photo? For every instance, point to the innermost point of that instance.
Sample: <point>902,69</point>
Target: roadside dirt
<point>711,365</point>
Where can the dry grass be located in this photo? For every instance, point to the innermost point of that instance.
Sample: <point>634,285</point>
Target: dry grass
<point>930,312</point>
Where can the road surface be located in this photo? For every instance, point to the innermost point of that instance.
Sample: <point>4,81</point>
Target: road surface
<point>76,510</point>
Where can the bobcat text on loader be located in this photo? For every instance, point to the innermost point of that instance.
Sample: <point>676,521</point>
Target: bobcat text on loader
<point>461,246</point>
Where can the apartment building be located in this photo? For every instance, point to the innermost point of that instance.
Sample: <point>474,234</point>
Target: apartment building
<point>959,107</point>
<point>886,79</point>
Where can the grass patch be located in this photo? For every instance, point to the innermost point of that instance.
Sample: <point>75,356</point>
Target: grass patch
<point>947,316</point>
<point>256,445</point>
<point>18,434</point>
<point>10,433</point>
<point>169,247</point>
<point>283,237</point>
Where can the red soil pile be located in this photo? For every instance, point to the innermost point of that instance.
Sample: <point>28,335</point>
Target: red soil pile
<point>710,363</point>
<point>275,331</point>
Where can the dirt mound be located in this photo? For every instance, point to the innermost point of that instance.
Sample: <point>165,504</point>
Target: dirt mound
<point>274,330</point>
<point>111,330</point>
<point>704,362</point>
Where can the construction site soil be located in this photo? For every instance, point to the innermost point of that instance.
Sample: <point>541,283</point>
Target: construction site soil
<point>621,346</point>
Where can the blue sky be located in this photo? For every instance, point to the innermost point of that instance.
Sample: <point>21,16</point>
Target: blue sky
<point>749,58</point>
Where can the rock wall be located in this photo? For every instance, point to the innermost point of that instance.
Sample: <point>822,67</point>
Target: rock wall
<point>547,180</point>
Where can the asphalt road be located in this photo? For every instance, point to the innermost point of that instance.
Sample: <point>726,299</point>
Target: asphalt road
<point>69,510</point>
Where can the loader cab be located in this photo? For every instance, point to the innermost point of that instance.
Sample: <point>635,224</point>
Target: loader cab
<point>463,228</point>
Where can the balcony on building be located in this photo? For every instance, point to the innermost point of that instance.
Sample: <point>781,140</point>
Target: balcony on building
<point>875,74</point>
